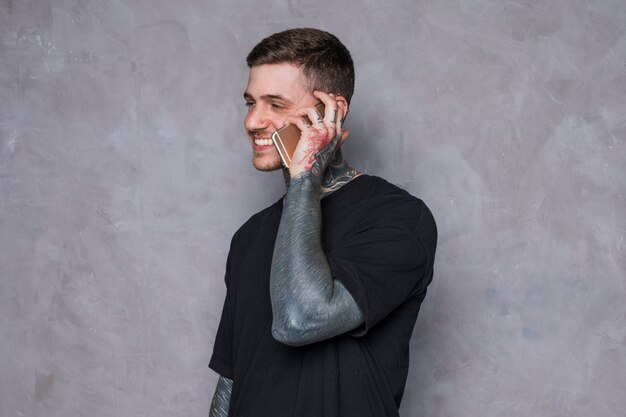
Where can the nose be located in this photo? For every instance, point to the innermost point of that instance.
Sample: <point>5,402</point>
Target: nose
<point>257,118</point>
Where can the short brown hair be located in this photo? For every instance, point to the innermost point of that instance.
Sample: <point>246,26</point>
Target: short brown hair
<point>325,61</point>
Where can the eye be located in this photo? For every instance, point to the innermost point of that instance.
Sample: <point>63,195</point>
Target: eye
<point>249,103</point>
<point>276,106</point>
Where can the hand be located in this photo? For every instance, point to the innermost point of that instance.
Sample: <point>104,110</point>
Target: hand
<point>320,139</point>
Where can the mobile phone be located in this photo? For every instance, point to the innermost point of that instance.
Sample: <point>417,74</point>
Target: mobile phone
<point>286,139</point>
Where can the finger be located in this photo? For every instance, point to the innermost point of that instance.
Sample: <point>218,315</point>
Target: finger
<point>325,98</point>
<point>316,118</point>
<point>330,120</point>
<point>334,118</point>
<point>340,117</point>
<point>331,111</point>
<point>301,122</point>
<point>312,119</point>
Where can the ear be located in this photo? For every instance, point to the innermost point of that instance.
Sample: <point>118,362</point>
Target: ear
<point>343,105</point>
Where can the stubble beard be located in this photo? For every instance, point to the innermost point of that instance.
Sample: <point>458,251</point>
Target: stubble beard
<point>265,166</point>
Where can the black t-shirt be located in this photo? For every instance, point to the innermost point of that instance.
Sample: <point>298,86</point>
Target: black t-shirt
<point>380,243</point>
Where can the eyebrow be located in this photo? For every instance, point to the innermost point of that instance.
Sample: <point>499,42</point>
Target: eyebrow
<point>268,97</point>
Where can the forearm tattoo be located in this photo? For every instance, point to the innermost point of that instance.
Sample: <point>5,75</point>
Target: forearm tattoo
<point>308,304</point>
<point>221,398</point>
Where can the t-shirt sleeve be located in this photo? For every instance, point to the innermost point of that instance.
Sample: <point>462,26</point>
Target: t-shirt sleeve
<point>221,360</point>
<point>386,259</point>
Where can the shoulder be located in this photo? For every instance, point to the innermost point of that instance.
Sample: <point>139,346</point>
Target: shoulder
<point>374,197</point>
<point>377,189</point>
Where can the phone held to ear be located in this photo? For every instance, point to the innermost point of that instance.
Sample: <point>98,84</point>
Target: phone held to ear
<point>287,137</point>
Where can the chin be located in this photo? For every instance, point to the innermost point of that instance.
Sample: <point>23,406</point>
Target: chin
<point>266,166</point>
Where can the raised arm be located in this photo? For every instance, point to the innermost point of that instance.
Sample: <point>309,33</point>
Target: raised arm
<point>308,304</point>
<point>221,398</point>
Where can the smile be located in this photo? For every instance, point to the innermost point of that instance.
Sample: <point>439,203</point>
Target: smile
<point>262,142</point>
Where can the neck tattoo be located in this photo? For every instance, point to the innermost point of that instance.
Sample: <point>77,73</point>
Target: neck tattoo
<point>338,174</point>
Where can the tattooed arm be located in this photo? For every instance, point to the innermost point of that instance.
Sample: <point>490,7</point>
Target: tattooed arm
<point>308,304</point>
<point>221,398</point>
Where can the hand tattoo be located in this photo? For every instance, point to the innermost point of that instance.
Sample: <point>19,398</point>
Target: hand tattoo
<point>322,157</point>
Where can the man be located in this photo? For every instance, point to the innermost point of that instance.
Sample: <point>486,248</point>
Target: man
<point>324,286</point>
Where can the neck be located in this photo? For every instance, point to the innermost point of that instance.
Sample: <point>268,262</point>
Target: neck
<point>338,174</point>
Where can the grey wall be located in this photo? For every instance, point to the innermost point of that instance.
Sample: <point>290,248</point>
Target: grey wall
<point>124,171</point>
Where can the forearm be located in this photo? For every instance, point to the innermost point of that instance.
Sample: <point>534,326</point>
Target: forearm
<point>221,398</point>
<point>308,304</point>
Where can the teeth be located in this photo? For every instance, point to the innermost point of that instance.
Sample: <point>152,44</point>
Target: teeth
<point>263,142</point>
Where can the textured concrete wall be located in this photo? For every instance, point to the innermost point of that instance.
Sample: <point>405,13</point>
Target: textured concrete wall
<point>124,171</point>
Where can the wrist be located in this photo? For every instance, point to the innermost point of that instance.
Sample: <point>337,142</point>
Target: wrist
<point>304,181</point>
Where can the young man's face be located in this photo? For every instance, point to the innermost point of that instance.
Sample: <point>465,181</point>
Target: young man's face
<point>274,92</point>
